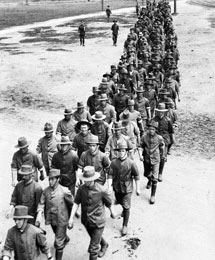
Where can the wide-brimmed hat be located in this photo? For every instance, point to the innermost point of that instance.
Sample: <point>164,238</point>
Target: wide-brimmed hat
<point>83,122</point>
<point>95,89</point>
<point>148,82</point>
<point>131,102</point>
<point>21,212</point>
<point>98,116</point>
<point>115,21</point>
<point>139,89</point>
<point>153,123</point>
<point>26,169</point>
<point>168,80</point>
<point>89,174</point>
<point>48,127</point>
<point>65,140</point>
<point>122,87</point>
<point>80,104</point>
<point>126,116</point>
<point>67,111</point>
<point>93,139</point>
<point>122,145</point>
<point>22,143</point>
<point>163,91</point>
<point>113,67</point>
<point>169,101</point>
<point>107,74</point>
<point>53,173</point>
<point>103,96</point>
<point>161,107</point>
<point>117,126</point>
<point>124,71</point>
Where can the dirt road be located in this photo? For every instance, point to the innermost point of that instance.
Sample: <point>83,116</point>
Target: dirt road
<point>44,69</point>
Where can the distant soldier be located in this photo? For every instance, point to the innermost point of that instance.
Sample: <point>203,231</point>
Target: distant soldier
<point>82,30</point>
<point>81,113</point>
<point>115,30</point>
<point>108,13</point>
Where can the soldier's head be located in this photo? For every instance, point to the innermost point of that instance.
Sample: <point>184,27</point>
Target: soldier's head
<point>83,127</point>
<point>48,129</point>
<point>93,144</point>
<point>21,216</point>
<point>80,107</point>
<point>22,145</point>
<point>65,143</point>
<point>26,172</point>
<point>161,110</point>
<point>54,177</point>
<point>117,129</point>
<point>152,127</point>
<point>122,149</point>
<point>67,114</point>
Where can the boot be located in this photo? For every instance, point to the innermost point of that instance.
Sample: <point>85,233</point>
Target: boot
<point>58,254</point>
<point>103,250</point>
<point>149,184</point>
<point>93,257</point>
<point>161,166</point>
<point>153,191</point>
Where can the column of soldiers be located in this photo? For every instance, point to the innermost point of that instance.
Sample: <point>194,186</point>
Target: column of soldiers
<point>131,113</point>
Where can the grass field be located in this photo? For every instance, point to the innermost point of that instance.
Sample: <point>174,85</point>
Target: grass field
<point>20,14</point>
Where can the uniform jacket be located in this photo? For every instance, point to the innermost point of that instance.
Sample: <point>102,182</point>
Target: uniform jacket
<point>47,147</point>
<point>123,172</point>
<point>165,128</point>
<point>115,29</point>
<point>27,195</point>
<point>132,131</point>
<point>27,244</point>
<point>92,200</point>
<point>120,102</point>
<point>54,204</point>
<point>30,158</point>
<point>83,116</point>
<point>99,160</point>
<point>66,128</point>
<point>67,163</point>
<point>93,104</point>
<point>113,142</point>
<point>141,105</point>
<point>103,131</point>
<point>109,111</point>
<point>153,148</point>
<point>80,143</point>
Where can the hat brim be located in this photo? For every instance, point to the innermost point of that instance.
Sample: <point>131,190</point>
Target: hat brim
<point>80,123</point>
<point>161,110</point>
<point>25,173</point>
<point>102,99</point>
<point>17,146</point>
<point>127,149</point>
<point>94,177</point>
<point>152,126</point>
<point>80,107</point>
<point>64,143</point>
<point>48,131</point>
<point>96,119</point>
<point>167,93</point>
<point>67,114</point>
<point>26,216</point>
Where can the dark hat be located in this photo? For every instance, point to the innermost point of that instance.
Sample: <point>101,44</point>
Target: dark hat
<point>21,212</point>
<point>169,101</point>
<point>95,89</point>
<point>153,123</point>
<point>115,21</point>
<point>107,74</point>
<point>122,87</point>
<point>26,169</point>
<point>65,140</point>
<point>148,82</point>
<point>168,80</point>
<point>125,116</point>
<point>67,111</point>
<point>163,91</point>
<point>113,67</point>
<point>93,139</point>
<point>80,104</point>
<point>139,89</point>
<point>83,122</point>
<point>117,126</point>
<point>48,127</point>
<point>104,81</point>
<point>161,107</point>
<point>131,102</point>
<point>53,173</point>
<point>22,143</point>
<point>151,76</point>
<point>122,145</point>
<point>98,116</point>
<point>89,174</point>
<point>103,97</point>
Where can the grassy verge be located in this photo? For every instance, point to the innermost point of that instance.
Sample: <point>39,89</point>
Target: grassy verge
<point>22,14</point>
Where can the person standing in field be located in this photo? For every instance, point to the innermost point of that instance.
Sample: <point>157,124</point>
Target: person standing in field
<point>108,13</point>
<point>82,30</point>
<point>115,30</point>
